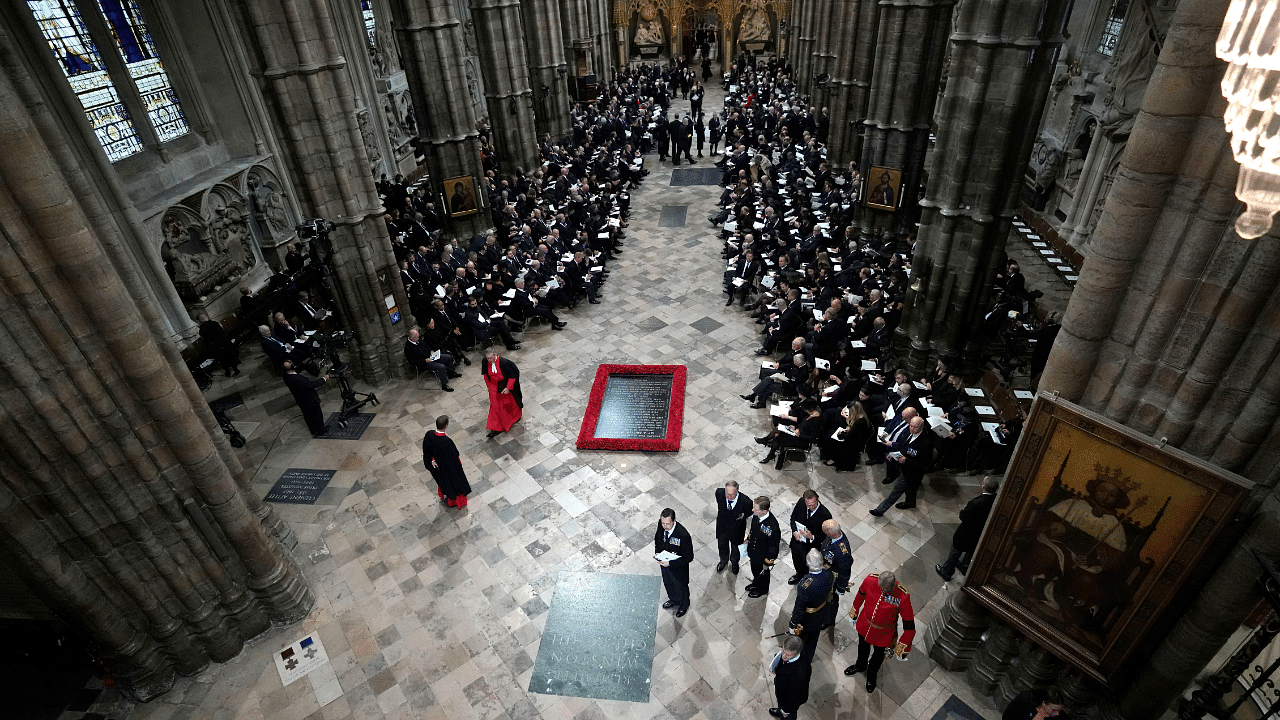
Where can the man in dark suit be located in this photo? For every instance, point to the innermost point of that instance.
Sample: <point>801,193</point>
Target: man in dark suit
<point>785,327</point>
<point>746,268</point>
<point>277,351</point>
<point>733,509</point>
<point>808,514</point>
<point>972,519</point>
<point>887,436</point>
<point>672,537</point>
<point>905,465</point>
<point>419,356</point>
<point>763,539</point>
<point>791,673</point>
<point>304,393</point>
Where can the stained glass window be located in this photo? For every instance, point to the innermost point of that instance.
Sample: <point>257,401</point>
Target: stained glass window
<point>366,7</point>
<point>1111,29</point>
<point>63,27</point>
<point>140,58</point>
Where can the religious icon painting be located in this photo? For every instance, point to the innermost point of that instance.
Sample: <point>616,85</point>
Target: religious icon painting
<point>883,188</point>
<point>460,196</point>
<point>1095,529</point>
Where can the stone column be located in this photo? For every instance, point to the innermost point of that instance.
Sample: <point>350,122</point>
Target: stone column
<point>825,42</point>
<point>504,60</point>
<point>805,23</point>
<point>112,466</point>
<point>909,47</point>
<point>1002,58</point>
<point>1170,329</point>
<point>851,78</point>
<point>429,36</point>
<point>306,81</point>
<point>545,40</point>
<point>587,28</point>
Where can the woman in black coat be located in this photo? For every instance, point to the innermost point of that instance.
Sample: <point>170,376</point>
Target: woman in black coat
<point>853,430</point>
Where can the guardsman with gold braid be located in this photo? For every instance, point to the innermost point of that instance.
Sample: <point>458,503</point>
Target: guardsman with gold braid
<point>876,608</point>
<point>815,608</point>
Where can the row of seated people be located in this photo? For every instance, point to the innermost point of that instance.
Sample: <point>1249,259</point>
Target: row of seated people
<point>555,232</point>
<point>815,285</point>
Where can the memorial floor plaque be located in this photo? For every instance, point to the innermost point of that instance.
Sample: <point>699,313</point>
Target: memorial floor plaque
<point>635,407</point>
<point>599,636</point>
<point>300,486</point>
<point>356,425</point>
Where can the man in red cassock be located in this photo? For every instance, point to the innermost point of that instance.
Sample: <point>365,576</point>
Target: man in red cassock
<point>506,402</point>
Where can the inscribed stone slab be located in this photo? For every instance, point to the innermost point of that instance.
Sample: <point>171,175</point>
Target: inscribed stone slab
<point>598,641</point>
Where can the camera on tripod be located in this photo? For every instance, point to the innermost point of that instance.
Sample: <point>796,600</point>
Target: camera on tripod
<point>315,227</point>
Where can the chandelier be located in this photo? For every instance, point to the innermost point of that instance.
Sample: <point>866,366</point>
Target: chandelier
<point>1250,43</point>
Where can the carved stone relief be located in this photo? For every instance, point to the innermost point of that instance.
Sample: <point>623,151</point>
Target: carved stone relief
<point>224,212</point>
<point>268,216</point>
<point>370,141</point>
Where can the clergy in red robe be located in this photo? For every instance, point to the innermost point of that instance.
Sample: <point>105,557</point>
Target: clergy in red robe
<point>502,377</point>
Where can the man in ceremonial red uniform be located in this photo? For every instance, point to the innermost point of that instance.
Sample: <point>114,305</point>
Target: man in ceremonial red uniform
<point>876,608</point>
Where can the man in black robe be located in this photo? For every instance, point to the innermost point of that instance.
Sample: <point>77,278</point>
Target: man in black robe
<point>441,458</point>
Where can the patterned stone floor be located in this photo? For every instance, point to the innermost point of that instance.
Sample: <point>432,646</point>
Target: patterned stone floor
<point>431,612</point>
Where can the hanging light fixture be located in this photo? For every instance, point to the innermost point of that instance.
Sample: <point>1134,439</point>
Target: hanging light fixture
<point>1250,43</point>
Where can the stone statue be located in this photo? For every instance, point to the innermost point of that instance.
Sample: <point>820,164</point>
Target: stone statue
<point>1048,173</point>
<point>230,236</point>
<point>755,26</point>
<point>649,32</point>
<point>268,208</point>
<point>1071,171</point>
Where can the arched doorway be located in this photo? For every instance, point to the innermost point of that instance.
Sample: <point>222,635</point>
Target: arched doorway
<point>700,34</point>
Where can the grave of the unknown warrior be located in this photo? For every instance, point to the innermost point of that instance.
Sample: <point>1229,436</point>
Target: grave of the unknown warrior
<point>598,640</point>
<point>635,407</point>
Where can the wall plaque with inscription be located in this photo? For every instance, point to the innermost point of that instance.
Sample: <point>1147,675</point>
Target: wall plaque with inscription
<point>635,407</point>
<point>598,640</point>
<point>299,486</point>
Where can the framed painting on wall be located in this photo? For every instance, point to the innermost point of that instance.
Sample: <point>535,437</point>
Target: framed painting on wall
<point>460,196</point>
<point>1094,530</point>
<point>883,188</point>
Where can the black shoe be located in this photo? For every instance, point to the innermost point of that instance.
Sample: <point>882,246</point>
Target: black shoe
<point>668,605</point>
<point>904,506</point>
<point>762,351</point>
<point>777,712</point>
<point>557,327</point>
<point>492,434</point>
<point>682,611</point>
<point>944,576</point>
<point>720,566</point>
<point>466,360</point>
<point>794,579</point>
<point>756,593</point>
<point>594,302</point>
<point>782,458</point>
<point>887,481</point>
<point>453,375</point>
<point>763,440</point>
<point>726,305</point>
<point>877,513</point>
<point>748,398</point>
<point>757,405</point>
<point>446,388</point>
<point>766,460</point>
<point>734,568</point>
<point>855,669</point>
<point>513,347</point>
<point>871,684</point>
